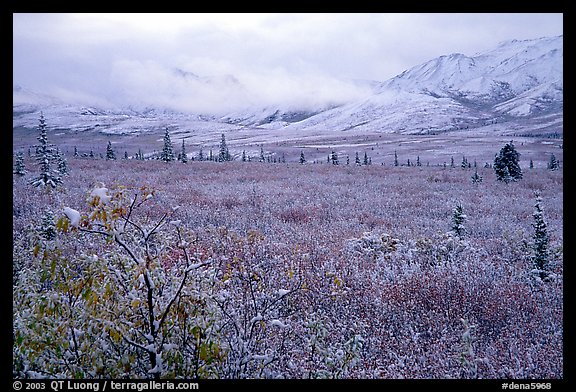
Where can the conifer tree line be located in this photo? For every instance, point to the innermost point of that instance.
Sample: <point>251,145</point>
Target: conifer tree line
<point>505,165</point>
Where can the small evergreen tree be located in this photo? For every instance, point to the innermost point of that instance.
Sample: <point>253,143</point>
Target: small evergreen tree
<point>476,178</point>
<point>45,156</point>
<point>418,163</point>
<point>334,158</point>
<point>62,163</point>
<point>396,163</point>
<point>540,247</point>
<point>531,164</point>
<point>224,154</point>
<point>19,167</point>
<point>47,228</point>
<point>357,159</point>
<point>125,155</point>
<point>262,158</point>
<point>167,154</point>
<point>553,163</point>
<point>110,154</point>
<point>365,159</point>
<point>452,162</point>
<point>302,159</point>
<point>184,156</point>
<point>464,163</point>
<point>458,219</point>
<point>76,155</point>
<point>243,155</point>
<point>507,162</point>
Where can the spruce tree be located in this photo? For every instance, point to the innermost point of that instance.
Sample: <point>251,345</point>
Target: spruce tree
<point>365,159</point>
<point>531,164</point>
<point>243,155</point>
<point>553,163</point>
<point>47,228</point>
<point>45,156</point>
<point>302,159</point>
<point>167,154</point>
<point>458,219</point>
<point>19,167</point>
<point>76,155</point>
<point>396,163</point>
<point>476,178</point>
<point>110,154</point>
<point>224,154</point>
<point>334,158</point>
<point>507,162</point>
<point>62,163</point>
<point>201,154</point>
<point>540,247</point>
<point>262,159</point>
<point>357,159</point>
<point>183,154</point>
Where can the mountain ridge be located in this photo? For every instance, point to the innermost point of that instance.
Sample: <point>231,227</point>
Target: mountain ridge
<point>518,84</point>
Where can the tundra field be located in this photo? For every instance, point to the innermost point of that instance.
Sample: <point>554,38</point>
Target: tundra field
<point>260,270</point>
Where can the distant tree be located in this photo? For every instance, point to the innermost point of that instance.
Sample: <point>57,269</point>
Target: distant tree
<point>408,163</point>
<point>365,159</point>
<point>418,163</point>
<point>507,162</point>
<point>167,154</point>
<point>211,156</point>
<point>110,154</point>
<point>357,159</point>
<point>540,247</point>
<point>396,163</point>
<point>531,164</point>
<point>476,178</point>
<point>347,159</point>
<point>91,155</point>
<point>243,155</point>
<point>458,219</point>
<point>262,158</point>
<point>62,163</point>
<point>452,162</point>
<point>45,157</point>
<point>19,167</point>
<point>553,163</point>
<point>201,155</point>
<point>464,163</point>
<point>224,154</point>
<point>76,155</point>
<point>334,158</point>
<point>302,159</point>
<point>184,156</point>
<point>283,158</point>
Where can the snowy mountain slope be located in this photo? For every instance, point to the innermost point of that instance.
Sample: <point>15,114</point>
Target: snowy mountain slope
<point>519,81</point>
<point>517,85</point>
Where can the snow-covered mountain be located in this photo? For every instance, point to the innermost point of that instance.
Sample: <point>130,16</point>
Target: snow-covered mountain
<point>519,82</point>
<point>518,85</point>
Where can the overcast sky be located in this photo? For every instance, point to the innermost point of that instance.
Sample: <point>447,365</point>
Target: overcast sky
<point>296,59</point>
